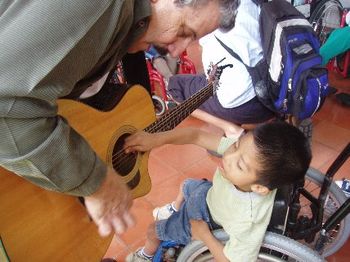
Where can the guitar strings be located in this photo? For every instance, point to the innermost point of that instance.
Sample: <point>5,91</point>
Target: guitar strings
<point>162,124</point>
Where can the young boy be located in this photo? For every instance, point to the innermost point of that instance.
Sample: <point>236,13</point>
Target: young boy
<point>241,196</point>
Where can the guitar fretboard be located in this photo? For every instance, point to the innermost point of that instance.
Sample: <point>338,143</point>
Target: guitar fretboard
<point>172,118</point>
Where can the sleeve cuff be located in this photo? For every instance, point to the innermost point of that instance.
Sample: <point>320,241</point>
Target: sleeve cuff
<point>93,181</point>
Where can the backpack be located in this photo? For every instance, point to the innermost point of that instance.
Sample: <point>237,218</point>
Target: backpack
<point>289,79</point>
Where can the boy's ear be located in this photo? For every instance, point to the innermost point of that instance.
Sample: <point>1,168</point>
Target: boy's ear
<point>259,189</point>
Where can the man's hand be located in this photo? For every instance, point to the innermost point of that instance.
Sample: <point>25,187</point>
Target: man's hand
<point>199,229</point>
<point>109,205</point>
<point>141,141</point>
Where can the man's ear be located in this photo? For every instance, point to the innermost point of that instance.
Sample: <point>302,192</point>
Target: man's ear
<point>259,189</point>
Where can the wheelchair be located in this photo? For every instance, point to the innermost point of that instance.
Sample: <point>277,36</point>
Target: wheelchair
<point>341,62</point>
<point>162,101</point>
<point>326,15</point>
<point>309,222</point>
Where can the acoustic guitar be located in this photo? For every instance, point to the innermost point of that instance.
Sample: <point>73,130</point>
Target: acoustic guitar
<point>39,225</point>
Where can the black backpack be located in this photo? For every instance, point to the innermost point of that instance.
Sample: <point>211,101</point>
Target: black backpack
<point>289,80</point>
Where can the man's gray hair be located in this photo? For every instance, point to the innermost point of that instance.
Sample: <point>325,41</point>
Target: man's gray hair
<point>228,10</point>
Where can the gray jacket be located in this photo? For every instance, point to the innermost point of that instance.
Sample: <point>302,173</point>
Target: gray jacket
<point>49,49</point>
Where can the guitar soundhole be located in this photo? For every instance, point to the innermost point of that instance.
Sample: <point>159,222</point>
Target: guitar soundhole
<point>122,163</point>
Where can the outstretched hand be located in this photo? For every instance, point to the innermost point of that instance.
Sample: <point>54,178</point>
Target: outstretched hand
<point>140,141</point>
<point>109,205</point>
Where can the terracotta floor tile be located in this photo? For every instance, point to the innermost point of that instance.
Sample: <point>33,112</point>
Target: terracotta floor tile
<point>142,210</point>
<point>327,110</point>
<point>322,155</point>
<point>117,250</point>
<point>165,192</point>
<point>204,168</point>
<point>316,121</point>
<point>334,112</point>
<point>331,135</point>
<point>343,255</point>
<point>342,118</point>
<point>336,80</point>
<point>343,172</point>
<point>158,169</point>
<point>180,157</point>
<point>123,245</point>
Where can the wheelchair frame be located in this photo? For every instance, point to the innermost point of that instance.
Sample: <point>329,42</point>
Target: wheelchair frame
<point>288,224</point>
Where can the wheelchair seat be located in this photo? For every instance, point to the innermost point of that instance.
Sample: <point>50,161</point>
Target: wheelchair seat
<point>280,209</point>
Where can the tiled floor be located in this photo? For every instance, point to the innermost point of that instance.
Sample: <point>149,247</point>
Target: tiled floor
<point>169,165</point>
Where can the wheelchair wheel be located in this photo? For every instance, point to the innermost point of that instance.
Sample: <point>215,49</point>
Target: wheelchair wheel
<point>275,247</point>
<point>335,199</point>
<point>325,18</point>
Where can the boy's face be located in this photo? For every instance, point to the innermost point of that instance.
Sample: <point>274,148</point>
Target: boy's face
<point>240,163</point>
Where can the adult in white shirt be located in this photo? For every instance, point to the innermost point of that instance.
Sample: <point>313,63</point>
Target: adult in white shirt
<point>235,101</point>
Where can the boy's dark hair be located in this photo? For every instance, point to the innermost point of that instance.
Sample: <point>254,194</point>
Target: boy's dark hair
<point>284,154</point>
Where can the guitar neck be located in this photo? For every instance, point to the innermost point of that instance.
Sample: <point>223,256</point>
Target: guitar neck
<point>174,117</point>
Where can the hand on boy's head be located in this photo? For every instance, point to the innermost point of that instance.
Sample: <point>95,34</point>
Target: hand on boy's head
<point>140,141</point>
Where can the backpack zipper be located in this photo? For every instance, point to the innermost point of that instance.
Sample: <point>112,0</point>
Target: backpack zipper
<point>319,95</point>
<point>289,93</point>
<point>290,80</point>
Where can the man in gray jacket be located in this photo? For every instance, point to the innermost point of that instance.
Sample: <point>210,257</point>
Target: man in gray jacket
<point>51,49</point>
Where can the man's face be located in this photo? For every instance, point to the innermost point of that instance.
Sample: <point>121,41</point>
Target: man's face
<point>173,28</point>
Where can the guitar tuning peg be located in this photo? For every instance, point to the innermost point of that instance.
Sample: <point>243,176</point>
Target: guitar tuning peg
<point>219,70</point>
<point>214,71</point>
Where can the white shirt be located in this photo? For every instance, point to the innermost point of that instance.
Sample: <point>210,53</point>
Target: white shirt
<point>236,86</point>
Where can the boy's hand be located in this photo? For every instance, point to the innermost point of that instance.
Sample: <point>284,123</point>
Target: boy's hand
<point>140,141</point>
<point>199,229</point>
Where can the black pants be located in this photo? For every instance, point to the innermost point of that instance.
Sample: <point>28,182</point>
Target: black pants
<point>182,87</point>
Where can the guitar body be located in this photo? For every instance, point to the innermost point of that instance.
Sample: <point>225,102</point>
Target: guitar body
<point>40,225</point>
<point>106,132</point>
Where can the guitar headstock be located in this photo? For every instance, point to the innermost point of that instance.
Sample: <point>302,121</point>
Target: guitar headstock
<point>215,71</point>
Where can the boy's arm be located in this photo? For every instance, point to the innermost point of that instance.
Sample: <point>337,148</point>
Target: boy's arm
<point>142,141</point>
<point>230,129</point>
<point>201,231</point>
